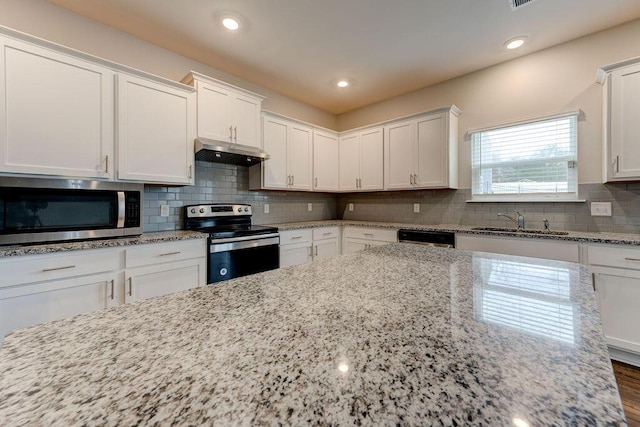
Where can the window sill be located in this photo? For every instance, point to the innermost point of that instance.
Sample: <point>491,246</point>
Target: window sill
<point>526,200</point>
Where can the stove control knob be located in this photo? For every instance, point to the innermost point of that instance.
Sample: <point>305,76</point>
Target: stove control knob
<point>202,210</point>
<point>246,209</point>
<point>193,210</point>
<point>239,209</point>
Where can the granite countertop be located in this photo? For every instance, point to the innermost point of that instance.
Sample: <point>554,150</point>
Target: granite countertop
<point>400,334</point>
<point>156,237</point>
<point>573,236</point>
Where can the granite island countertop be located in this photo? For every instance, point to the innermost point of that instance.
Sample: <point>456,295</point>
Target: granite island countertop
<point>402,334</point>
<point>572,236</point>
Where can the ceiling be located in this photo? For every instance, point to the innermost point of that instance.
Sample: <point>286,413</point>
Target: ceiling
<point>300,48</point>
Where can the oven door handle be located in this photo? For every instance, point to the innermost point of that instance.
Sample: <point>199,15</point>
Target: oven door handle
<point>243,244</point>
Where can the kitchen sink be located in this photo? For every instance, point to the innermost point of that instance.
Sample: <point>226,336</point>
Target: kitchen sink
<point>513,230</point>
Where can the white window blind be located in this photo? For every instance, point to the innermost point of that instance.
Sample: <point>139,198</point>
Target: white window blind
<point>536,160</point>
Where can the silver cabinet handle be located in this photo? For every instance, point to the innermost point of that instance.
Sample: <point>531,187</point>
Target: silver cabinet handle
<point>106,164</point>
<point>617,164</point>
<point>112,284</point>
<point>296,237</point>
<point>293,179</point>
<point>593,281</point>
<point>235,131</point>
<point>170,253</point>
<point>316,251</point>
<point>415,179</point>
<point>130,286</point>
<point>231,133</point>
<point>411,179</point>
<point>327,233</point>
<point>66,267</point>
<point>368,234</point>
<point>190,171</point>
<point>632,259</point>
<point>356,182</point>
<point>316,182</point>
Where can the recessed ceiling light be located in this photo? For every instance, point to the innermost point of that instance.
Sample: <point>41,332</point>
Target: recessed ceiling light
<point>342,83</point>
<point>515,43</point>
<point>230,24</point>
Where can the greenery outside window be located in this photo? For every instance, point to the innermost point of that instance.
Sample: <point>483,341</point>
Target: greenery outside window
<point>535,160</point>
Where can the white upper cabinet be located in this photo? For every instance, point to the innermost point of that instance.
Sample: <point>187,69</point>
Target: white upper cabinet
<point>361,160</point>
<point>422,152</point>
<point>621,124</point>
<point>226,112</point>
<point>155,133</point>
<point>289,145</point>
<point>326,161</point>
<point>56,113</point>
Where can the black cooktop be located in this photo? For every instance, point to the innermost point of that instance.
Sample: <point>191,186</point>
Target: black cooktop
<point>223,221</point>
<point>224,232</point>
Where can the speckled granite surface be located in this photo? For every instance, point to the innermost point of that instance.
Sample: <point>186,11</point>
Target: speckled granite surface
<point>161,236</point>
<point>575,236</point>
<point>401,334</point>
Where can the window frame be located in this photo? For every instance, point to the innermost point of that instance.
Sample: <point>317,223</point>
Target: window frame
<point>571,196</point>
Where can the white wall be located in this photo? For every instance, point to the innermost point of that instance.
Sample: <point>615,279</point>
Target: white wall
<point>44,20</point>
<point>555,79</point>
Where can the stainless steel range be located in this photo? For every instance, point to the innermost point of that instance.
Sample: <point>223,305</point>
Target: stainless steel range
<point>236,247</point>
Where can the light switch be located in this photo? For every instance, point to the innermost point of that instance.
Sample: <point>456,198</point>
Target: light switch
<point>350,207</point>
<point>164,210</point>
<point>416,207</point>
<point>266,208</point>
<point>600,208</point>
<point>309,207</point>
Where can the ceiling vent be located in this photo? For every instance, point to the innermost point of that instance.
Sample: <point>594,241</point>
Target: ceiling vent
<point>515,4</point>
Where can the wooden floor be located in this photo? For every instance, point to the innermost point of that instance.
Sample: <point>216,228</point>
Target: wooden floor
<point>628,378</point>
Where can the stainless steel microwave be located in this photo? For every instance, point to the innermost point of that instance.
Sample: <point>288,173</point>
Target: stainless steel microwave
<point>35,210</point>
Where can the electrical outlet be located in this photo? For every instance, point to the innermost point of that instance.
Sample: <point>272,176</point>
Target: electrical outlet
<point>309,207</point>
<point>266,208</point>
<point>416,207</point>
<point>350,207</point>
<point>600,208</point>
<point>164,210</point>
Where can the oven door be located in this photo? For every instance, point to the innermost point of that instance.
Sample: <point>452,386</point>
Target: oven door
<point>230,258</point>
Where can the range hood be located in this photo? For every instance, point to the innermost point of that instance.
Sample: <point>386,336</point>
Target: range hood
<point>229,153</point>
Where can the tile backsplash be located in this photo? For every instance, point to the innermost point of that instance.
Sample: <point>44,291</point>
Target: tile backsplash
<point>450,207</point>
<point>218,183</point>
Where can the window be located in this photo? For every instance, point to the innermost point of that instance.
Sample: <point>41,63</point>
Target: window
<point>532,161</point>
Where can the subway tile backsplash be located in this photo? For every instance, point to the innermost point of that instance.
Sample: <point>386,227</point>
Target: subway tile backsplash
<point>218,183</point>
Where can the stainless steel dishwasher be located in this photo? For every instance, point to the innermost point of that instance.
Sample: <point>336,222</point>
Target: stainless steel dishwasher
<point>443,239</point>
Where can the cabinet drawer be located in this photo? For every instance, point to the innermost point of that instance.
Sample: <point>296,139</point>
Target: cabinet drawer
<point>613,256</point>
<point>160,253</point>
<point>296,236</point>
<point>365,233</point>
<point>323,233</point>
<point>39,268</point>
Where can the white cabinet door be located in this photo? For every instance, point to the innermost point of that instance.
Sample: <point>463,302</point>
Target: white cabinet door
<point>324,249</point>
<point>618,293</point>
<point>246,120</point>
<point>56,113</point>
<point>155,132</point>
<point>214,116</point>
<point>299,158</point>
<point>295,254</point>
<point>27,305</point>
<point>274,170</point>
<point>162,279</point>
<point>623,124</point>
<point>326,160</point>
<point>371,159</point>
<point>430,152</point>
<point>399,147</point>
<point>349,162</point>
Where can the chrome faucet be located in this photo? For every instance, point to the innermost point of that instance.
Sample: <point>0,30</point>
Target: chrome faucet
<point>545,222</point>
<point>519,222</point>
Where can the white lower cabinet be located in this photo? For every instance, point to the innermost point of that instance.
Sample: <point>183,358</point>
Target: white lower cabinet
<point>307,245</point>
<point>616,276</point>
<point>356,239</point>
<point>164,268</point>
<point>42,288</point>
<point>537,248</point>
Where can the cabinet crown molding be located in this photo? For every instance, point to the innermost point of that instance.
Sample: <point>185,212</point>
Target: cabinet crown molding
<point>194,76</point>
<point>603,71</point>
